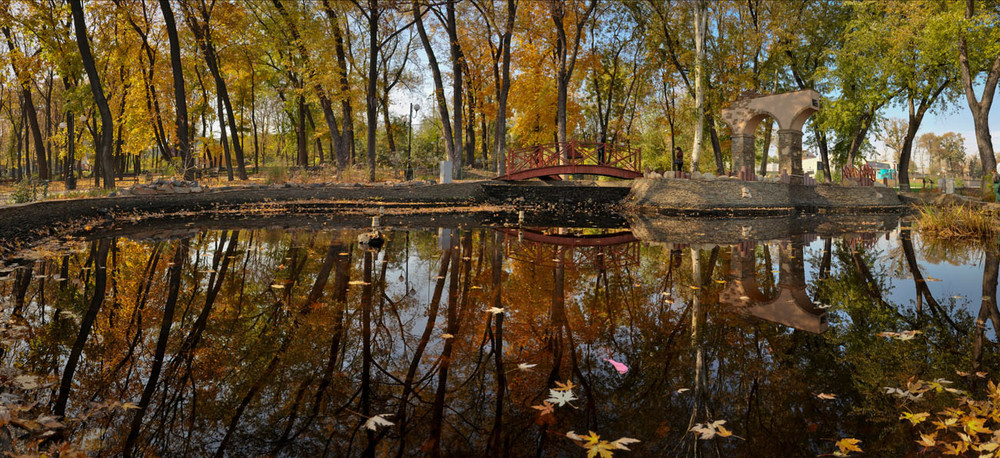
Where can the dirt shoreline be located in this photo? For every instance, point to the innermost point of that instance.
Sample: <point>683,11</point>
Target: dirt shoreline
<point>403,205</point>
<point>423,205</point>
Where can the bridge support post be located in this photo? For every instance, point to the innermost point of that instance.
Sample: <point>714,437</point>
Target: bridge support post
<point>790,154</point>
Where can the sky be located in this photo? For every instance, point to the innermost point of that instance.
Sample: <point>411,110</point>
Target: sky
<point>958,119</point>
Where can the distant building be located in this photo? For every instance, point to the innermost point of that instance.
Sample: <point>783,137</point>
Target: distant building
<point>811,164</point>
<point>883,170</point>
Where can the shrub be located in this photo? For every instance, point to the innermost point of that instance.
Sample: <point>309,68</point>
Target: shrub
<point>275,174</point>
<point>25,191</point>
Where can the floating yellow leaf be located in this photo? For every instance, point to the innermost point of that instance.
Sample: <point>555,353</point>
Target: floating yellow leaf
<point>955,448</point>
<point>847,445</point>
<point>928,440</point>
<point>914,417</point>
<point>826,396</point>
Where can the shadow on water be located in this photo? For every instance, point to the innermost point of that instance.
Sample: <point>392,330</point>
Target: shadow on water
<point>462,341</point>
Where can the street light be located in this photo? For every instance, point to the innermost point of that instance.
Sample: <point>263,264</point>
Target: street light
<point>409,143</point>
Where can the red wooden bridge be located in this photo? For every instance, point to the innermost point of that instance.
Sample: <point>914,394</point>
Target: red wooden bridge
<point>554,159</point>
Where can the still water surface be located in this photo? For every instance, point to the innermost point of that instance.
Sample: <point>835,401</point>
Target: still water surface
<point>287,342</point>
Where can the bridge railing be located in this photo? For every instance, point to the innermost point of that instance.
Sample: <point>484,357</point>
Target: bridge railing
<point>576,153</point>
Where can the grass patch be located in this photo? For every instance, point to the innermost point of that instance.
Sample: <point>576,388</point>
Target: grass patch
<point>957,221</point>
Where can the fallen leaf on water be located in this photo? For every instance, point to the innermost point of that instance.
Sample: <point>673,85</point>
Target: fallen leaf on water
<point>358,282</point>
<point>826,396</point>
<point>525,366</point>
<point>621,368</point>
<point>447,336</point>
<point>847,445</point>
<point>378,420</point>
<point>545,408</point>
<point>278,286</point>
<point>681,390</point>
<point>914,418</point>
<point>495,310</point>
<point>564,386</point>
<point>561,398</point>
<point>709,430</point>
<point>623,442</point>
<point>928,440</point>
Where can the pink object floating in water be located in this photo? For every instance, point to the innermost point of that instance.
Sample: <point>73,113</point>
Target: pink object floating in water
<point>621,368</point>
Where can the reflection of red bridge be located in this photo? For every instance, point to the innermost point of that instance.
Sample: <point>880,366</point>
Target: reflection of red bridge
<point>554,159</point>
<point>548,249</point>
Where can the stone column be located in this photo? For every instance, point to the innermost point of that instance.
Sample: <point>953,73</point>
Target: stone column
<point>790,154</point>
<point>743,152</point>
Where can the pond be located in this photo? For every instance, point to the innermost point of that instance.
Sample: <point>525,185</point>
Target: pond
<point>463,342</point>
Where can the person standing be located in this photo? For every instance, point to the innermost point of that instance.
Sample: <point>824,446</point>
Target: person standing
<point>678,162</point>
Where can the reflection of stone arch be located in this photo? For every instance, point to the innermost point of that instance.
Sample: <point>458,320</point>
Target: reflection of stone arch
<point>792,307</point>
<point>790,110</point>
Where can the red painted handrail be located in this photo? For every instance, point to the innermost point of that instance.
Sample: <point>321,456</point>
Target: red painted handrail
<point>572,154</point>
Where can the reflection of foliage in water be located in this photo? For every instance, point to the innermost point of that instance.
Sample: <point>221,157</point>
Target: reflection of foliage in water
<point>266,346</point>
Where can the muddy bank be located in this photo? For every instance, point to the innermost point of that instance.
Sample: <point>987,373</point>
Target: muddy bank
<point>725,208</point>
<point>407,205</point>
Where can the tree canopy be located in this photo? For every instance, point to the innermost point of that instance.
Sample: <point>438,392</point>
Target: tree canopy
<point>106,89</point>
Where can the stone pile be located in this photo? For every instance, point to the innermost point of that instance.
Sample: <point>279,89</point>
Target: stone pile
<point>163,186</point>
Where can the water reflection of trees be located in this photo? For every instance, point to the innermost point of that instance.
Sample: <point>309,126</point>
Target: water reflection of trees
<point>248,342</point>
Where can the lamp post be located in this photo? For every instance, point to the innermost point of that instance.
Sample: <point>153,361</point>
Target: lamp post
<point>409,143</point>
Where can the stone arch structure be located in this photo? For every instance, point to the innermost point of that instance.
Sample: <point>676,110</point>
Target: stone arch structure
<point>792,306</point>
<point>790,110</point>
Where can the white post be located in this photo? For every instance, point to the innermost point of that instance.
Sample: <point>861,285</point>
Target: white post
<point>445,175</point>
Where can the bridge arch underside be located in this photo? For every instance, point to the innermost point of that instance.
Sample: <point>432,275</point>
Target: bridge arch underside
<point>553,172</point>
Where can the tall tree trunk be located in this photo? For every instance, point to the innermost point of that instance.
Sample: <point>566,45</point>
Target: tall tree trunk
<point>700,24</point>
<point>86,323</point>
<point>980,108</point>
<point>200,29</point>
<point>173,289</point>
<point>32,115</point>
<point>302,158</point>
<point>345,150</point>
<point>372,96</point>
<point>325,103</point>
<point>503,89</point>
<point>565,62</point>
<point>107,125</point>
<point>70,150</point>
<point>768,129</point>
<point>180,98</point>
<point>456,91</point>
<point>225,141</point>
<point>442,104</point>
